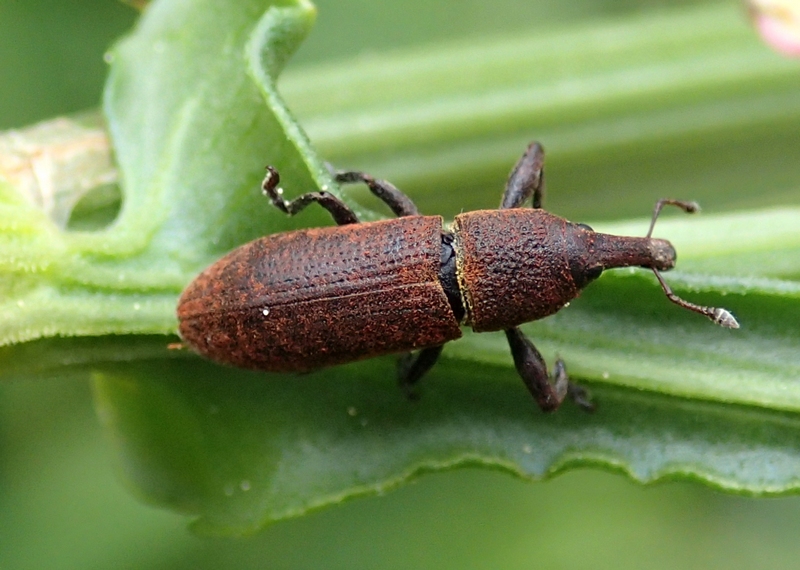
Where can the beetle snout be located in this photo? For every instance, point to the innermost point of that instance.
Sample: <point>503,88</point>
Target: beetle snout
<point>663,255</point>
<point>592,252</point>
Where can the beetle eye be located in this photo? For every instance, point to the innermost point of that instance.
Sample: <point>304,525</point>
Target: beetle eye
<point>593,273</point>
<point>582,276</point>
<point>588,228</point>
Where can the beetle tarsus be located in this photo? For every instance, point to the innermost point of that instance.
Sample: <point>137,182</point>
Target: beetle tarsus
<point>526,179</point>
<point>339,211</point>
<point>580,396</point>
<point>399,203</point>
<point>549,394</point>
<point>412,367</point>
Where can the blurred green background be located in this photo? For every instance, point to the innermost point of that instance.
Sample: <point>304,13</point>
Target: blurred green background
<point>61,505</point>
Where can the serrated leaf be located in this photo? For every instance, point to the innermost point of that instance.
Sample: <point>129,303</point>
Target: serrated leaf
<point>244,451</point>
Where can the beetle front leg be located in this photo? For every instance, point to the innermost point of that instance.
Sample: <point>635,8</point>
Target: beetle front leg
<point>341,212</point>
<point>532,368</point>
<point>526,180</point>
<point>399,203</point>
<point>412,367</point>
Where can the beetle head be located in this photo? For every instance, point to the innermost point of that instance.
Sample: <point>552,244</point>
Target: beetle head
<point>590,253</point>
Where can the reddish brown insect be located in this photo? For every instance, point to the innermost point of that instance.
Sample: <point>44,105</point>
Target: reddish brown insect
<point>307,299</point>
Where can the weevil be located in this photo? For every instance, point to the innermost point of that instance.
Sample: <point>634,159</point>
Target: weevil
<point>306,299</point>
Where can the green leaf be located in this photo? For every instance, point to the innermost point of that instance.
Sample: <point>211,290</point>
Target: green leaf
<point>244,450</point>
<point>683,103</point>
<point>629,109</point>
<point>185,103</point>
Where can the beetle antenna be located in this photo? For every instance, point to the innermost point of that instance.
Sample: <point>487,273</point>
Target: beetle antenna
<point>688,207</point>
<point>722,317</point>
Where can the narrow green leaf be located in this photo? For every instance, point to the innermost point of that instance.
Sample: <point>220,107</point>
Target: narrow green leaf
<point>629,109</point>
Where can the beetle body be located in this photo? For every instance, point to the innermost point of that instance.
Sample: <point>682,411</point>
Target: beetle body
<point>303,300</point>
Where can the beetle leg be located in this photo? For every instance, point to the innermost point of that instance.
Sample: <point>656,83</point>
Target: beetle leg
<point>400,204</point>
<point>412,367</point>
<point>341,212</point>
<point>532,368</point>
<point>526,180</point>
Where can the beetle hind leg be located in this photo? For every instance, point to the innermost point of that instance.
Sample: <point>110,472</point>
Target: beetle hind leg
<point>532,368</point>
<point>526,180</point>
<point>413,366</point>
<point>399,203</point>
